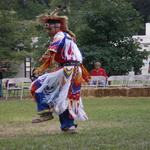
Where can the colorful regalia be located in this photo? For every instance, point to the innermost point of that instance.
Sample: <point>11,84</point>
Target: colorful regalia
<point>59,90</point>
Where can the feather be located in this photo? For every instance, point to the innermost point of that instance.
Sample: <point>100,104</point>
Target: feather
<point>59,9</point>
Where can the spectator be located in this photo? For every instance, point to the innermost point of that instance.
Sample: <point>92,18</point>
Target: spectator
<point>149,67</point>
<point>98,71</point>
<point>33,76</point>
<point>1,77</point>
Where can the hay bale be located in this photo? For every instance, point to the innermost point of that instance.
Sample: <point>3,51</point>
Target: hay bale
<point>104,92</point>
<point>117,91</point>
<point>89,91</point>
<point>123,91</point>
<point>99,92</point>
<point>139,92</point>
<point>147,91</point>
<point>111,92</point>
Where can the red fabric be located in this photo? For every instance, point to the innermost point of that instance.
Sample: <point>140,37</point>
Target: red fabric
<point>100,72</point>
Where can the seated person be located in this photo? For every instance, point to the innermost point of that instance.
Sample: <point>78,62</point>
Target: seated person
<point>1,77</point>
<point>33,76</point>
<point>149,67</point>
<point>98,71</point>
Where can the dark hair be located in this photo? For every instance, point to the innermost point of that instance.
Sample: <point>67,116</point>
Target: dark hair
<point>52,21</point>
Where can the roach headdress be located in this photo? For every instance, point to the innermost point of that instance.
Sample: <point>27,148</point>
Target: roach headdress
<point>61,21</point>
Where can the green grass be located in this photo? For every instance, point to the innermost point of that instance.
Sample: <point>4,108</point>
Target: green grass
<point>114,124</point>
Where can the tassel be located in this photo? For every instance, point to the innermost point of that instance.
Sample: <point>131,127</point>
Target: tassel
<point>85,75</point>
<point>48,62</point>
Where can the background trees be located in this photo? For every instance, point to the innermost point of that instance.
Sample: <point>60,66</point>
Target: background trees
<point>104,30</point>
<point>143,7</point>
<point>106,36</point>
<point>15,40</point>
<point>25,9</point>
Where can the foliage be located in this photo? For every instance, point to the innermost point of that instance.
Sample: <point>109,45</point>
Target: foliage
<point>15,41</point>
<point>17,32</point>
<point>9,38</point>
<point>39,47</point>
<point>26,9</point>
<point>74,14</point>
<point>104,32</point>
<point>143,7</point>
<point>106,36</point>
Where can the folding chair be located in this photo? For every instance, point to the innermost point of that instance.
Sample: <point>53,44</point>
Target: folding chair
<point>99,81</point>
<point>126,80</point>
<point>136,80</point>
<point>116,81</point>
<point>147,80</point>
<point>4,84</point>
<point>26,83</point>
<point>16,85</point>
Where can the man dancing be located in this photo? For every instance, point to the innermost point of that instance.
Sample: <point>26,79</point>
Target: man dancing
<point>59,91</point>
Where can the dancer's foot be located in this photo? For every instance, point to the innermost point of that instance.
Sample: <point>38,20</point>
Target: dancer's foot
<point>67,128</point>
<point>71,130</point>
<point>42,119</point>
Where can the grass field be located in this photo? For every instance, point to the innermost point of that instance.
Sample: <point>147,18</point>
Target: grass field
<point>114,124</point>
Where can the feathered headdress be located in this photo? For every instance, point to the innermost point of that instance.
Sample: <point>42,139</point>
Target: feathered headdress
<point>53,18</point>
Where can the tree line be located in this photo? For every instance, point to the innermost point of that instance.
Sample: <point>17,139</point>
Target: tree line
<point>103,28</point>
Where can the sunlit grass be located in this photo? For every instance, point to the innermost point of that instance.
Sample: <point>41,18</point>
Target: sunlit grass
<point>114,124</point>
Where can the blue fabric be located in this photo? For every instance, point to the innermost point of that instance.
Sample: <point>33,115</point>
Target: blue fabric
<point>65,121</point>
<point>41,105</point>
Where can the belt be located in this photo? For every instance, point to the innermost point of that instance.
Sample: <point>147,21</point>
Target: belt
<point>70,63</point>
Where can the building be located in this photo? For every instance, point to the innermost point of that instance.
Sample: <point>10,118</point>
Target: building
<point>144,44</point>
<point>25,68</point>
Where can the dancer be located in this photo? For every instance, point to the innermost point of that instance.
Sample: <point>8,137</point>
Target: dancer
<point>59,91</point>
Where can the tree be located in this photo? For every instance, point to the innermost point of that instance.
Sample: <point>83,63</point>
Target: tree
<point>106,36</point>
<point>17,32</point>
<point>26,9</point>
<point>15,41</point>
<point>143,7</point>
<point>74,14</point>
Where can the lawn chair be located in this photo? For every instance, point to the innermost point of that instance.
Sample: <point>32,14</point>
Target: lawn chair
<point>147,80</point>
<point>15,85</point>
<point>26,84</point>
<point>115,81</point>
<point>99,81</point>
<point>4,84</point>
<point>136,81</point>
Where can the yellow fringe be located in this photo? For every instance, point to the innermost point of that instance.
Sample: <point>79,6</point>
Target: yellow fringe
<point>45,65</point>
